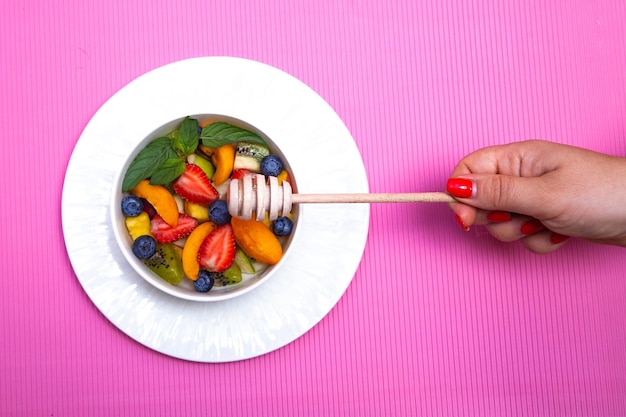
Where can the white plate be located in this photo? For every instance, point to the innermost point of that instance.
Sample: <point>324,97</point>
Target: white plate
<point>321,262</point>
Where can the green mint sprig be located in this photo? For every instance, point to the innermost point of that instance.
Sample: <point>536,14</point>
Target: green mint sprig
<point>218,134</point>
<point>163,159</point>
<point>187,140</point>
<point>168,171</point>
<point>147,162</point>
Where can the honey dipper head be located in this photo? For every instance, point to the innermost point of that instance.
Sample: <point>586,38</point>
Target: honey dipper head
<point>254,194</point>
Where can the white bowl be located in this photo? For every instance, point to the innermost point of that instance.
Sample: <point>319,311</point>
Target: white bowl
<point>185,289</point>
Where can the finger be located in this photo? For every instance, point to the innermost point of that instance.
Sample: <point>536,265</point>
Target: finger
<point>468,215</point>
<point>515,229</point>
<point>543,242</point>
<point>529,158</point>
<point>524,195</point>
<point>492,216</point>
<point>465,215</point>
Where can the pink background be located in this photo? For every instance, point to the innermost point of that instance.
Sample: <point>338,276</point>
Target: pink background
<point>436,321</point>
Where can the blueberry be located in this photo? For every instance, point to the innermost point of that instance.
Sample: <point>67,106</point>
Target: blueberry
<point>132,206</point>
<point>271,166</point>
<point>218,212</point>
<point>282,226</point>
<point>144,247</point>
<point>204,282</point>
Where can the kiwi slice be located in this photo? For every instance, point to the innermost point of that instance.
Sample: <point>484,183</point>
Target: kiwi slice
<point>249,155</point>
<point>244,262</point>
<point>231,276</point>
<point>167,263</point>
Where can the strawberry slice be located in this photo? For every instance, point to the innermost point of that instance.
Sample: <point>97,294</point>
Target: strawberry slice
<point>239,173</point>
<point>217,251</point>
<point>194,186</point>
<point>164,233</point>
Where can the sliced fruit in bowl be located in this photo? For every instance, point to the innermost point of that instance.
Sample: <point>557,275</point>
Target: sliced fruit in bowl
<point>174,209</point>
<point>217,251</point>
<point>167,263</point>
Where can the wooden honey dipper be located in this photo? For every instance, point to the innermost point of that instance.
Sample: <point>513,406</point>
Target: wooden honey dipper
<point>251,194</point>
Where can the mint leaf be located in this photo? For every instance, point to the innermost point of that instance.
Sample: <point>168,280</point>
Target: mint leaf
<point>217,134</point>
<point>186,141</point>
<point>171,169</point>
<point>147,162</point>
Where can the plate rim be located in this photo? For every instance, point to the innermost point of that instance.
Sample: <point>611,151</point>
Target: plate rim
<point>360,214</point>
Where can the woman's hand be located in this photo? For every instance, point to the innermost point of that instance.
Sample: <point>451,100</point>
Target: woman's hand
<point>541,193</point>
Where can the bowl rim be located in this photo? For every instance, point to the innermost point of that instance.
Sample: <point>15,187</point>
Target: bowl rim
<point>125,244</point>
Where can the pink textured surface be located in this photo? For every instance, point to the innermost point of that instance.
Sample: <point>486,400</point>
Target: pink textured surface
<point>435,322</point>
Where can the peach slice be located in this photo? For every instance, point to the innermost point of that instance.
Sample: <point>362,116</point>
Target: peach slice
<point>191,267</point>
<point>160,198</point>
<point>257,240</point>
<point>283,176</point>
<point>223,159</point>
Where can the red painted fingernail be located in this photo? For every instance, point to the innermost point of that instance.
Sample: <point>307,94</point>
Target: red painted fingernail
<point>460,222</point>
<point>532,226</point>
<point>499,216</point>
<point>557,238</point>
<point>460,187</point>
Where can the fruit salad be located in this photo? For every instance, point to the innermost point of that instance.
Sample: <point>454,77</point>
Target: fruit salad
<point>175,210</point>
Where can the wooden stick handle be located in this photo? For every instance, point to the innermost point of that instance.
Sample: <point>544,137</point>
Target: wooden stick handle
<point>434,197</point>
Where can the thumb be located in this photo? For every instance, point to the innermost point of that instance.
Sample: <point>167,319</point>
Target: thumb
<point>523,195</point>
